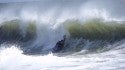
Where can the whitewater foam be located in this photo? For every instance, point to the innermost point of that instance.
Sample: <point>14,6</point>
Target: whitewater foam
<point>12,58</point>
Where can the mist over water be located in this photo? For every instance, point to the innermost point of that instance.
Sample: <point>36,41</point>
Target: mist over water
<point>94,29</point>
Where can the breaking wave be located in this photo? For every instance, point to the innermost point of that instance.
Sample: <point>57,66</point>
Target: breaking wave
<point>93,35</point>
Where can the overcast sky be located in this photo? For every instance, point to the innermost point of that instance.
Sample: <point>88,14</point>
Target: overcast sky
<point>115,7</point>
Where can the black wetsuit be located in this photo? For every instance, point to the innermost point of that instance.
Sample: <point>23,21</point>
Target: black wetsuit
<point>59,46</point>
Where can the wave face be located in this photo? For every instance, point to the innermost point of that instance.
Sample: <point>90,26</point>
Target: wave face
<point>38,25</point>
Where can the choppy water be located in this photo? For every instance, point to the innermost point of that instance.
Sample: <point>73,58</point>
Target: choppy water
<point>94,29</point>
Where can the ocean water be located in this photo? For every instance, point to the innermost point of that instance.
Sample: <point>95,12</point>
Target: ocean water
<point>94,30</point>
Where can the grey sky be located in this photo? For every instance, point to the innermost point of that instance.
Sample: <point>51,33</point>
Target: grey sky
<point>115,7</point>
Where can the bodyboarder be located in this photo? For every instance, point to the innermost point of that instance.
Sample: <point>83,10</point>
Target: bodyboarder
<point>59,45</point>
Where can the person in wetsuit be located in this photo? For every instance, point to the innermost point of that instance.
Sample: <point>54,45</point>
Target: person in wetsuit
<point>59,45</point>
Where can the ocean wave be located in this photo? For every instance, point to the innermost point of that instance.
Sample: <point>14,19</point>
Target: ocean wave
<point>92,35</point>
